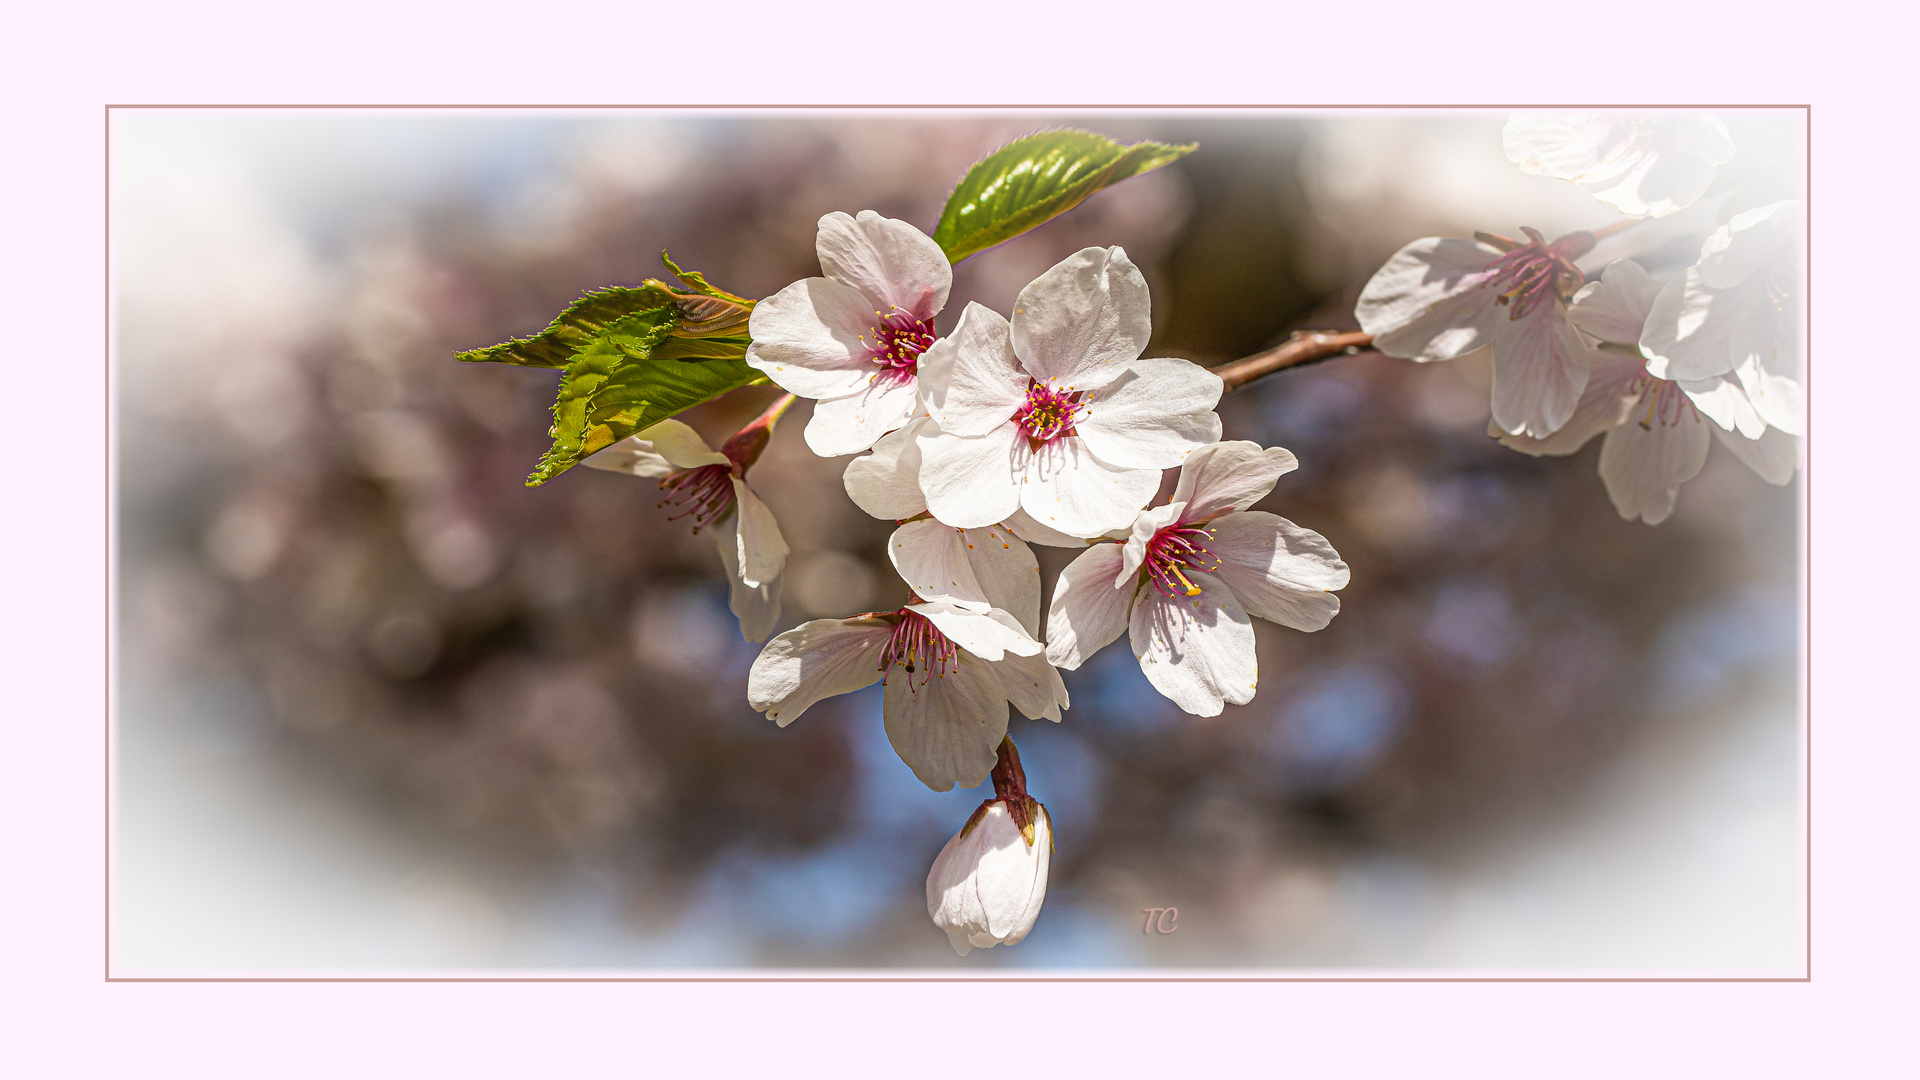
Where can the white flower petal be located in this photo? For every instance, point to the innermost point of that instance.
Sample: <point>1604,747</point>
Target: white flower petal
<point>1562,146</point>
<point>756,606</point>
<point>1012,880</point>
<point>971,379</point>
<point>635,456</point>
<point>1033,532</point>
<point>1196,650</point>
<point>953,897</point>
<point>1604,405</point>
<point>761,551</point>
<point>987,565</point>
<point>850,424</point>
<point>893,263</point>
<point>1775,397</point>
<point>1133,551</point>
<point>987,633</point>
<point>807,339</point>
<point>1070,489</point>
<point>932,559</point>
<point>1657,185</point>
<point>815,660</point>
<point>681,445</point>
<point>666,447</point>
<point>1773,455</point>
<point>1721,400</point>
<point>1764,237</point>
<point>947,728</point>
<point>1615,307</point>
<point>1008,573</point>
<point>1427,302</point>
<point>1639,166</point>
<point>1230,476</point>
<point>1087,613</point>
<point>1153,415</point>
<point>1088,312</point>
<point>1033,686</point>
<point>987,885</point>
<point>970,482</point>
<point>1643,467</point>
<point>1540,368</point>
<point>1688,331</point>
<point>1764,331</point>
<point>886,483</point>
<point>1277,570</point>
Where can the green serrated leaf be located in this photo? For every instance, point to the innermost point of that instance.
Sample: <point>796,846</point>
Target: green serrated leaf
<point>1034,179</point>
<point>632,356</point>
<point>575,328</point>
<point>614,387</point>
<point>696,281</point>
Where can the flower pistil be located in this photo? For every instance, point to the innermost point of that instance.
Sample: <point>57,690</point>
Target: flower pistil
<point>898,340</point>
<point>1047,414</point>
<point>1533,271</point>
<point>704,494</point>
<point>917,645</point>
<point>1175,550</point>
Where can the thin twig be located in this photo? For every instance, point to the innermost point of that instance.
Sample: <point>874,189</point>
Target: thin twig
<point>1304,347</point>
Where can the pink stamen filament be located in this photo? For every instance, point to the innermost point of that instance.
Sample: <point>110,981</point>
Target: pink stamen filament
<point>917,645</point>
<point>1047,414</point>
<point>704,493</point>
<point>1529,273</point>
<point>898,340</point>
<point>1175,550</point>
<point>1667,403</point>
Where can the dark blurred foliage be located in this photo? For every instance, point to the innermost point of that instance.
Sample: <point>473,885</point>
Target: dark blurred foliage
<point>543,678</point>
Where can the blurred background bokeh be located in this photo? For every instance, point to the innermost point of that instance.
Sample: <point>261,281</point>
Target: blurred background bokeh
<point>381,708</point>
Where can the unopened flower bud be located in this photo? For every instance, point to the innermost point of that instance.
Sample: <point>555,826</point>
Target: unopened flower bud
<point>987,885</point>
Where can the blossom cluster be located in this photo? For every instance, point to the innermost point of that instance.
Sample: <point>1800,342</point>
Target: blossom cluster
<point>1655,366</point>
<point>1046,427</point>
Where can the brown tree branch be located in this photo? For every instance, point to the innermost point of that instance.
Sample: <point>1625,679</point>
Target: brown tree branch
<point>1304,347</point>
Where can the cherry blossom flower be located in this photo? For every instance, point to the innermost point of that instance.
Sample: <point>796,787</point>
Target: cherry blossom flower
<point>988,565</point>
<point>1054,412</point>
<point>949,667</point>
<point>886,484</point>
<point>710,487</point>
<point>1737,310</point>
<point>988,882</point>
<point>1657,430</point>
<point>1189,576</point>
<point>1640,166</point>
<point>1439,298</point>
<point>854,338</point>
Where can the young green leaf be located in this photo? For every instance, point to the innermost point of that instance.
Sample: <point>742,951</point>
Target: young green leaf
<point>575,328</point>
<point>632,357</point>
<point>1034,179</point>
<point>617,386</point>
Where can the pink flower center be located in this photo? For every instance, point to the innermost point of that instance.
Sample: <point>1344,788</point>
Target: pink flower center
<point>1173,551</point>
<point>919,646</point>
<point>705,494</point>
<point>1666,403</point>
<point>1047,414</point>
<point>898,340</point>
<point>1531,273</point>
